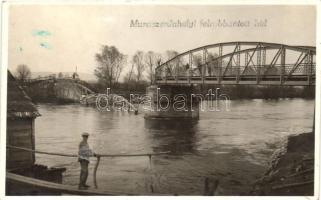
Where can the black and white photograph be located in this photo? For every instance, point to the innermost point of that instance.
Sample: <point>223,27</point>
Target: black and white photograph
<point>152,99</point>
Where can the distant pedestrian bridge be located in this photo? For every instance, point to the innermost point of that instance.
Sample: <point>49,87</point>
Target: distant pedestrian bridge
<point>237,63</point>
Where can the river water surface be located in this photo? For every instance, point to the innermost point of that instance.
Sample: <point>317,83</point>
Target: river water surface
<point>233,146</point>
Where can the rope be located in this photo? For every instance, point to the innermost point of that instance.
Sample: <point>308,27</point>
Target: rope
<point>41,152</point>
<point>74,155</point>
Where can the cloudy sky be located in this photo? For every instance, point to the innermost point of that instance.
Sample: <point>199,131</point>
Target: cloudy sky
<point>58,38</point>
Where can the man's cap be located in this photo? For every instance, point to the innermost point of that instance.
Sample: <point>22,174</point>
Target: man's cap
<point>85,134</point>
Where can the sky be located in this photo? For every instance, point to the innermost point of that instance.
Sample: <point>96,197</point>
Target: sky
<point>57,38</point>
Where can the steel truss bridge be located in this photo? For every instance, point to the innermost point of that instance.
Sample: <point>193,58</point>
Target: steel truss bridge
<point>247,63</point>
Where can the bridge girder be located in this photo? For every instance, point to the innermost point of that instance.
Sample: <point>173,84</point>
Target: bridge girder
<point>304,61</point>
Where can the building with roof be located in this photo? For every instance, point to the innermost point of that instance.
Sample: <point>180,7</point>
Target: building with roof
<point>21,115</point>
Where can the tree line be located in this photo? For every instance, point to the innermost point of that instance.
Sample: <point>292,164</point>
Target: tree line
<point>111,65</point>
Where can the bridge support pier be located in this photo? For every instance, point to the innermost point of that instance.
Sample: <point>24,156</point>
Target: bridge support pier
<point>172,105</point>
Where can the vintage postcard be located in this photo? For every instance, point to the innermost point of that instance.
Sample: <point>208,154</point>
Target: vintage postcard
<point>155,99</point>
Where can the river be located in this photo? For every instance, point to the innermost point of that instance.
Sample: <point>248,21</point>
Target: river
<point>232,146</point>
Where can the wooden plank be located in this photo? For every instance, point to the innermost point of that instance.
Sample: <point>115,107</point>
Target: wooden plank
<point>64,189</point>
<point>53,186</point>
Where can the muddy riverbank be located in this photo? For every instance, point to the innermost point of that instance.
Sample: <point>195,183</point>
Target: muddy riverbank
<point>291,170</point>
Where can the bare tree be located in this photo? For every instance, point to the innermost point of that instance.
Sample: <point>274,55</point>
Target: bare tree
<point>128,79</point>
<point>130,74</point>
<point>23,72</point>
<point>139,65</point>
<point>110,65</point>
<point>176,66</point>
<point>152,60</point>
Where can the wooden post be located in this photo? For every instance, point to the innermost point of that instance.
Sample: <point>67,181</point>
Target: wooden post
<point>95,171</point>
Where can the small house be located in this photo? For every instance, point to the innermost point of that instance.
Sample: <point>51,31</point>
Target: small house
<point>21,115</point>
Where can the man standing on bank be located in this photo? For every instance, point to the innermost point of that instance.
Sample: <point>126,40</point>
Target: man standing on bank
<point>83,157</point>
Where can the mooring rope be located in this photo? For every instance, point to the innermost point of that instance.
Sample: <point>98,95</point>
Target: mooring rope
<point>97,156</point>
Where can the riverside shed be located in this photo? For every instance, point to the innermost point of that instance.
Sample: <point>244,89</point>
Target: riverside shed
<point>21,114</point>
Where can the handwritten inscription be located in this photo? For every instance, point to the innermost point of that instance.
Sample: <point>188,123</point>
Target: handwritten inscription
<point>201,23</point>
